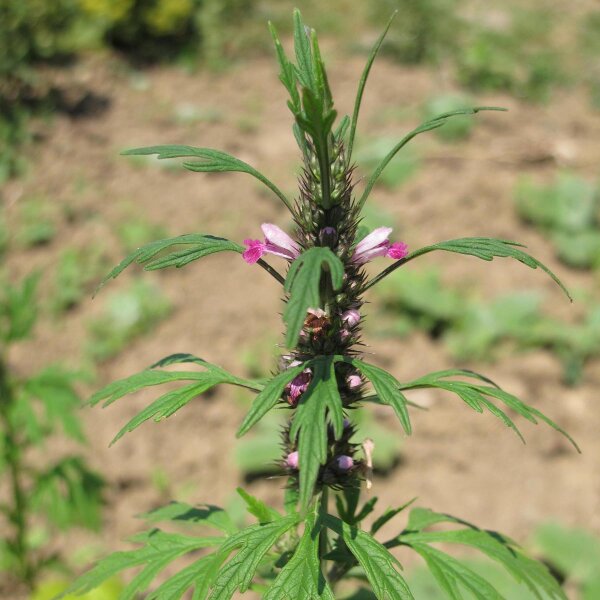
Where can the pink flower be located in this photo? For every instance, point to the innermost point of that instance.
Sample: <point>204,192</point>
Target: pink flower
<point>344,463</point>
<point>377,244</point>
<point>291,461</point>
<point>276,242</point>
<point>354,381</point>
<point>351,317</point>
<point>298,386</point>
<point>397,250</point>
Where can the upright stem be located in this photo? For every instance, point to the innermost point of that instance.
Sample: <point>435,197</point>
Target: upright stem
<point>12,457</point>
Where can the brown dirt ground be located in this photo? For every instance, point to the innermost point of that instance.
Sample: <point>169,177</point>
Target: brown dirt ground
<point>456,461</point>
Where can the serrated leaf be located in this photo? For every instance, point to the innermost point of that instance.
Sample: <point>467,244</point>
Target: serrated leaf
<point>287,74</point>
<point>319,404</point>
<point>268,397</point>
<point>426,126</point>
<point>301,578</point>
<point>380,567</point>
<point>256,507</point>
<point>159,549</point>
<point>251,544</point>
<point>197,245</point>
<point>387,388</point>
<point>207,514</point>
<point>388,515</point>
<point>498,547</point>
<point>449,573</point>
<point>196,575</point>
<point>302,284</point>
<point>210,161</point>
<point>476,396</point>
<point>169,403</point>
<point>484,248</point>
<point>303,53</point>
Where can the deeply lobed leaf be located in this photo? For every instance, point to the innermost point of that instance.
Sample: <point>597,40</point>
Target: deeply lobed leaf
<point>197,245</point>
<point>302,284</point>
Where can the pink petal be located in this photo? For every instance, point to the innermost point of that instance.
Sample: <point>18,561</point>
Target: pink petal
<point>351,317</point>
<point>292,460</point>
<point>277,237</point>
<point>374,239</point>
<point>397,251</point>
<point>255,249</point>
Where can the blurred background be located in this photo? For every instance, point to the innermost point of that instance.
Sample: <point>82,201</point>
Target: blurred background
<point>81,80</point>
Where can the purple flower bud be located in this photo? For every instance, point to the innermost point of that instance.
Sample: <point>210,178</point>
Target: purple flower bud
<point>292,460</point>
<point>351,317</point>
<point>354,381</point>
<point>344,463</point>
<point>298,386</point>
<point>344,335</point>
<point>347,423</point>
<point>328,236</point>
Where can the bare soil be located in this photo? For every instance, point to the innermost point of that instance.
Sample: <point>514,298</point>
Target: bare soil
<point>457,461</point>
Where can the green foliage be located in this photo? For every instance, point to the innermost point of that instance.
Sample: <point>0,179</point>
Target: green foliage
<point>429,125</point>
<point>568,211</point>
<point>483,248</point>
<point>574,553</point>
<point>453,576</point>
<point>38,493</point>
<point>303,285</point>
<point>128,314</point>
<point>319,407</point>
<point>18,308</point>
<point>456,129</point>
<point>216,576</point>
<point>314,550</point>
<point>516,57</point>
<point>476,395</point>
<point>170,402</point>
<point>211,161</point>
<point>151,255</point>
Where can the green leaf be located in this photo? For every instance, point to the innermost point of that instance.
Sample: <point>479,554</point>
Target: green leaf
<point>197,575</point>
<point>208,515</point>
<point>449,573</point>
<point>499,548</point>
<point>158,550</point>
<point>197,246</point>
<point>387,388</point>
<point>484,248</point>
<point>69,493</point>
<point>304,57</point>
<point>320,404</point>
<point>426,126</point>
<point>477,397</point>
<point>287,74</point>
<point>54,387</point>
<point>379,565</point>
<point>18,308</point>
<point>211,161</point>
<point>362,84</point>
<point>268,397</point>
<point>388,515</point>
<point>302,284</point>
<point>251,544</point>
<point>256,507</point>
<point>169,403</point>
<point>301,578</point>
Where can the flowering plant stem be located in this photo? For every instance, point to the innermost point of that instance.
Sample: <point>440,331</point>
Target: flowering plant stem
<point>320,380</point>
